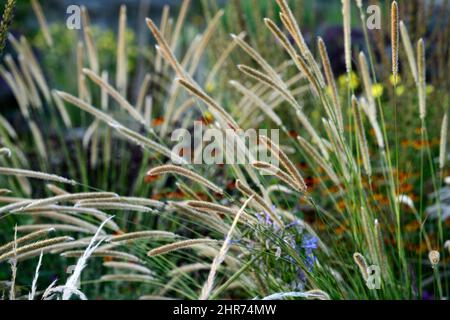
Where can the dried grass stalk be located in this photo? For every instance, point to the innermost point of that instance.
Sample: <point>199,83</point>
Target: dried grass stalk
<point>127,278</point>
<point>277,172</point>
<point>185,244</point>
<point>394,38</point>
<point>143,235</point>
<point>363,145</point>
<point>27,238</point>
<point>90,45</point>
<point>218,260</point>
<point>69,197</point>
<point>409,50</point>
<point>64,218</point>
<point>421,66</point>
<point>362,264</point>
<point>209,102</point>
<point>103,253</point>
<point>172,169</point>
<point>285,162</point>
<point>443,144</point>
<point>122,59</point>
<point>37,245</point>
<point>331,83</point>
<point>346,13</point>
<point>115,206</point>
<point>128,266</point>
<point>56,227</point>
<point>35,175</point>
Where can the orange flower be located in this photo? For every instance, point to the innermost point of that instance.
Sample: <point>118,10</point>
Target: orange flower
<point>157,122</point>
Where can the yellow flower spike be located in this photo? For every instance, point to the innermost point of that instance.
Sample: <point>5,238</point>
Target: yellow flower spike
<point>377,90</point>
<point>430,89</point>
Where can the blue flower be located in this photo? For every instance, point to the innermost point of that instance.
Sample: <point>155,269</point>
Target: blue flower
<point>309,242</point>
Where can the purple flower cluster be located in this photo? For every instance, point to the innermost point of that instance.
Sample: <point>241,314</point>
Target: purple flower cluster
<point>309,243</point>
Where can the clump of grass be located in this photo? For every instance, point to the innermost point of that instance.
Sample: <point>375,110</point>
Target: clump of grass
<point>305,246</point>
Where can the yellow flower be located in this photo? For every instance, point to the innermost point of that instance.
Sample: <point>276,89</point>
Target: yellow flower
<point>377,90</point>
<point>395,80</point>
<point>430,89</point>
<point>400,90</point>
<point>210,86</point>
<point>354,81</point>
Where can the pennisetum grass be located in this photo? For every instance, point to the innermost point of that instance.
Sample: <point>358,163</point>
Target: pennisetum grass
<point>421,67</point>
<point>394,38</point>
<point>172,169</point>
<point>35,175</point>
<point>103,253</point>
<point>37,245</point>
<point>185,244</point>
<point>128,266</point>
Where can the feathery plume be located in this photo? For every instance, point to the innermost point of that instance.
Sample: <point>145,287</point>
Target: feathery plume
<point>394,38</point>
<point>362,264</point>
<point>90,45</point>
<point>172,169</point>
<point>346,12</point>
<point>212,105</point>
<point>409,50</point>
<point>285,161</point>
<point>443,143</point>
<point>127,278</point>
<point>178,246</point>
<point>24,239</point>
<point>37,245</point>
<point>69,197</point>
<point>331,83</point>
<point>103,253</point>
<point>128,266</point>
<point>363,145</point>
<point>122,59</point>
<point>140,235</point>
<point>421,66</point>
<point>35,175</point>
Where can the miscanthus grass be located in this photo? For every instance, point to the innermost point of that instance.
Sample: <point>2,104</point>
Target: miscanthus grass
<point>250,233</point>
